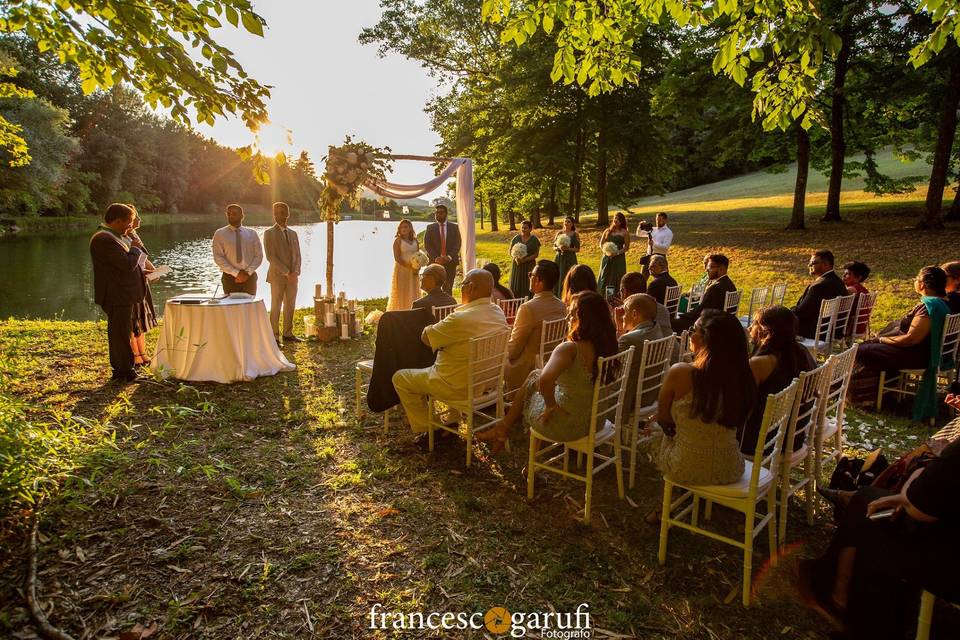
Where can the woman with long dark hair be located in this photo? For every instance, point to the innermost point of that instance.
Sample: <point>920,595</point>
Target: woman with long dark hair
<point>704,404</point>
<point>556,401</point>
<point>500,292</point>
<point>614,243</point>
<point>579,278</point>
<point>777,359</point>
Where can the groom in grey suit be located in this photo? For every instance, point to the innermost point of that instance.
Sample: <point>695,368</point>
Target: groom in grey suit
<point>282,248</point>
<point>441,241</point>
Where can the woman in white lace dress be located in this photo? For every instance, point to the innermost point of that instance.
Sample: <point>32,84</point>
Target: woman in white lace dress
<point>405,287</point>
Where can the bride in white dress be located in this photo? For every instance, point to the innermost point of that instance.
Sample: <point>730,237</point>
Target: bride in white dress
<point>406,284</point>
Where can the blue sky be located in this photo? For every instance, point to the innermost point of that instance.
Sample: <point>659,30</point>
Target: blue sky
<point>326,84</point>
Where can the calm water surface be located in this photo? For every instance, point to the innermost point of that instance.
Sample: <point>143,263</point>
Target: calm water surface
<point>51,276</point>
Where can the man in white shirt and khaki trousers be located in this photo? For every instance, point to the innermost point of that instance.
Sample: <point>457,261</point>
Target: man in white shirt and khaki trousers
<point>447,378</point>
<point>658,242</point>
<point>238,253</point>
<point>283,253</point>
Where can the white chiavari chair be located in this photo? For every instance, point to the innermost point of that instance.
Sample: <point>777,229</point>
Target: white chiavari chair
<point>606,420</point>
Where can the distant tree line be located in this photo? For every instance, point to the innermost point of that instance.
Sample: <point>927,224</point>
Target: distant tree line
<point>89,151</point>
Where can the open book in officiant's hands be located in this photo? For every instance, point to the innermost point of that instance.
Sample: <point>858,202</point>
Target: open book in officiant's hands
<point>158,273</point>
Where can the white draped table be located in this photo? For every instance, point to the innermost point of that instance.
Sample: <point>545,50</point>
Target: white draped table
<point>217,341</point>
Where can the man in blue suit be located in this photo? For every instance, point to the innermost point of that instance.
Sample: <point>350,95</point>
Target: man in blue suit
<point>441,241</point>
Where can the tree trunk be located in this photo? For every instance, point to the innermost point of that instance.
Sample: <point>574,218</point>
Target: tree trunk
<point>513,219</point>
<point>492,203</point>
<point>603,216</point>
<point>552,206</point>
<point>535,217</point>
<point>576,181</point>
<point>481,211</point>
<point>330,228</point>
<point>838,143</point>
<point>932,214</point>
<point>803,170</point>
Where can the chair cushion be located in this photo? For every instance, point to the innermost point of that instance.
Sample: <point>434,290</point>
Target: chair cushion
<point>365,366</point>
<point>738,489</point>
<point>583,444</point>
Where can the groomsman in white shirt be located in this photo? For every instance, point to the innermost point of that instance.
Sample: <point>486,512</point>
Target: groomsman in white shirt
<point>238,253</point>
<point>283,253</point>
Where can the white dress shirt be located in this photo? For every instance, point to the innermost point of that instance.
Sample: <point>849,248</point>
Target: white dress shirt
<point>225,250</point>
<point>662,239</point>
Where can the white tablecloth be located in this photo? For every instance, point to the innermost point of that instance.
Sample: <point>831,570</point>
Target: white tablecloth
<point>226,341</point>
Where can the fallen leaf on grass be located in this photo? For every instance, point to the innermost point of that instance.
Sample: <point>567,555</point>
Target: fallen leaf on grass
<point>389,511</point>
<point>139,632</point>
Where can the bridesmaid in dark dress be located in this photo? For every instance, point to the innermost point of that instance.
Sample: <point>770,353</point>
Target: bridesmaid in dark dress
<point>566,253</point>
<point>144,315</point>
<point>520,271</point>
<point>614,267</point>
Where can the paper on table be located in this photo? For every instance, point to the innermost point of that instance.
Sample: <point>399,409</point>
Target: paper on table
<point>157,273</point>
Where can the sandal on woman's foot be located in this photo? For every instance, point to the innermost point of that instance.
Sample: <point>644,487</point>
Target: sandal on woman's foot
<point>495,433</point>
<point>652,518</point>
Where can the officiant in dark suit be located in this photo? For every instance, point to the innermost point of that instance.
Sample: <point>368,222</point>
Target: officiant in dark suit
<point>118,284</point>
<point>441,241</point>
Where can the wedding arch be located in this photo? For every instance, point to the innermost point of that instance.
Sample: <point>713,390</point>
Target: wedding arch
<point>356,164</point>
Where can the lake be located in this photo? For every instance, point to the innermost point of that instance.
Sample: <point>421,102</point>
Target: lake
<point>51,276</point>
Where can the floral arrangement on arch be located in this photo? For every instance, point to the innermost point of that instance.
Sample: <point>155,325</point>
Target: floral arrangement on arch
<point>347,168</point>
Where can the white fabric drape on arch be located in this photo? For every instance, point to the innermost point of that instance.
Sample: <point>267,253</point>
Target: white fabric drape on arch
<point>463,167</point>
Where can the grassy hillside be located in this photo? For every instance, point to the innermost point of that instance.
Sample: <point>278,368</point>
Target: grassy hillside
<point>745,217</point>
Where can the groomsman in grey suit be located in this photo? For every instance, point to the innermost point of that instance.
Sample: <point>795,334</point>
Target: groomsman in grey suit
<point>283,254</point>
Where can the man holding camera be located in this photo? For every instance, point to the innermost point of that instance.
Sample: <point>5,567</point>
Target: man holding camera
<point>659,239</point>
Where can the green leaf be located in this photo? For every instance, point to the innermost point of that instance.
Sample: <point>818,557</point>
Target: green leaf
<point>252,23</point>
<point>232,16</point>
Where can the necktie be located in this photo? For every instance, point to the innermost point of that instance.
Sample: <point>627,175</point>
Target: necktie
<point>286,236</point>
<point>443,240</point>
<point>239,248</point>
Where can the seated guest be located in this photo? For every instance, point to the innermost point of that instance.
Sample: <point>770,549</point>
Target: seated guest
<point>702,282</point>
<point>703,404</point>
<point>527,326</point>
<point>631,284</point>
<point>952,269</point>
<point>432,279</point>
<point>579,278</point>
<point>713,298</point>
<point>661,278</point>
<point>447,378</point>
<point>825,286</point>
<point>911,343</point>
<point>869,580</point>
<point>777,359</point>
<point>557,400</point>
<point>500,292</point>
<point>854,273</point>
<point>639,311</point>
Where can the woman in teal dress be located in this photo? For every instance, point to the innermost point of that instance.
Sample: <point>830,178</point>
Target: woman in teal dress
<point>556,401</point>
<point>614,267</point>
<point>566,253</point>
<point>520,271</point>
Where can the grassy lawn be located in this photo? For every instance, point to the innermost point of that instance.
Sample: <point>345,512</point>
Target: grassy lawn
<point>266,509</point>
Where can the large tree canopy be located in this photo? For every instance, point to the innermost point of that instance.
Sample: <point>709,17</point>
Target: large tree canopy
<point>164,48</point>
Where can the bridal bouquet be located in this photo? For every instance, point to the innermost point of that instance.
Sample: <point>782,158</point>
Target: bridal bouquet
<point>610,249</point>
<point>562,242</point>
<point>420,260</point>
<point>518,251</point>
